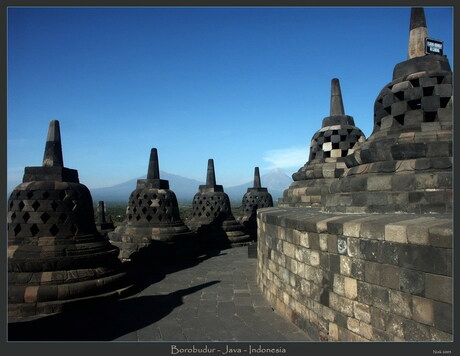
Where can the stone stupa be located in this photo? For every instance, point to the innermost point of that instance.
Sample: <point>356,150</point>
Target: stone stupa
<point>337,138</point>
<point>406,164</point>
<point>153,225</point>
<point>255,198</point>
<point>56,257</point>
<point>212,216</point>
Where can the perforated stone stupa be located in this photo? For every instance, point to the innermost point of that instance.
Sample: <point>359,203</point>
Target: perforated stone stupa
<point>255,198</point>
<point>212,216</point>
<point>152,217</point>
<point>56,257</point>
<point>337,138</point>
<point>406,164</point>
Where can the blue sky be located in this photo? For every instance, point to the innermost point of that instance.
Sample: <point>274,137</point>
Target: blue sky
<point>245,86</point>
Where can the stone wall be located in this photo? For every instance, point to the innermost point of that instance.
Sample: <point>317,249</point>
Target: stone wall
<point>358,277</point>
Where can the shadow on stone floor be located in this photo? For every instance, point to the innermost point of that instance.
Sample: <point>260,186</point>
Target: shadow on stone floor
<point>103,322</point>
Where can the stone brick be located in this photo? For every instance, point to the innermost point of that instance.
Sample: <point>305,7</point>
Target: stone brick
<point>414,331</point>
<point>438,287</point>
<point>442,316</point>
<point>313,241</point>
<point>426,258</point>
<point>389,276</point>
<point>339,285</point>
<point>350,288</point>
<point>357,269</point>
<point>333,332</point>
<point>394,326</point>
<point>396,233</point>
<point>365,293</point>
<point>332,243</point>
<point>334,261</point>
<point>372,272</point>
<point>323,242</point>
<point>341,304</point>
<point>379,318</point>
<point>314,258</point>
<point>422,310</point>
<point>441,236</point>
<point>412,282</point>
<point>401,303</point>
<point>380,297</point>
<point>362,312</point>
<point>345,265</point>
<point>437,335</point>
<point>324,260</point>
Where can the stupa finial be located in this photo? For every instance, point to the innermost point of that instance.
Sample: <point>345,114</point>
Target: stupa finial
<point>257,183</point>
<point>154,169</point>
<point>211,175</point>
<point>418,32</point>
<point>53,148</point>
<point>336,99</point>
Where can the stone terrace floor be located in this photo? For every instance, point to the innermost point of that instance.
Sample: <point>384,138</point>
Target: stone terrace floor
<point>214,299</point>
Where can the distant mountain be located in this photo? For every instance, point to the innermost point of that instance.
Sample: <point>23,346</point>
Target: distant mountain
<point>184,188</point>
<point>276,181</point>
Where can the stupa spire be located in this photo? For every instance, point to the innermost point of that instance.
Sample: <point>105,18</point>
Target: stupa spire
<point>211,175</point>
<point>53,148</point>
<point>418,32</point>
<point>257,178</point>
<point>154,169</point>
<point>336,99</point>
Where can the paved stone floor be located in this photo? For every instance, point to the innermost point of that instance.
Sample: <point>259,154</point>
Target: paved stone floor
<point>214,299</point>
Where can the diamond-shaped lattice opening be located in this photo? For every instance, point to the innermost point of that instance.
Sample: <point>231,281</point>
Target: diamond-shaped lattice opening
<point>149,202</point>
<point>134,210</point>
<point>203,208</point>
<point>45,217</point>
<point>30,194</point>
<point>138,195</point>
<point>62,218</point>
<point>154,210</point>
<point>45,195</point>
<point>73,229</point>
<point>54,230</point>
<point>54,205</point>
<point>13,216</point>
<point>73,205</point>
<point>165,210</point>
<point>17,229</point>
<point>154,196</point>
<point>18,193</point>
<point>34,230</point>
<point>208,214</point>
<point>160,217</point>
<point>144,209</point>
<point>21,205</point>
<point>130,216</point>
<point>138,217</point>
<point>26,217</point>
<point>160,202</point>
<point>145,196</point>
<point>199,214</point>
<point>11,204</point>
<point>148,217</point>
<point>35,205</point>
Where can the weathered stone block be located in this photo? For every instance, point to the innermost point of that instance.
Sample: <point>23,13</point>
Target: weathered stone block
<point>401,303</point>
<point>438,287</point>
<point>412,282</point>
<point>442,316</point>
<point>422,310</point>
<point>414,331</point>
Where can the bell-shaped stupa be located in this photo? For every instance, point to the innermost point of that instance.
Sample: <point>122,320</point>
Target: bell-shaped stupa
<point>337,138</point>
<point>406,164</point>
<point>56,257</point>
<point>255,198</point>
<point>212,216</point>
<point>152,218</point>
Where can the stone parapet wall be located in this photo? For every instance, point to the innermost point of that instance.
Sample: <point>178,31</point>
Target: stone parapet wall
<point>358,277</point>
